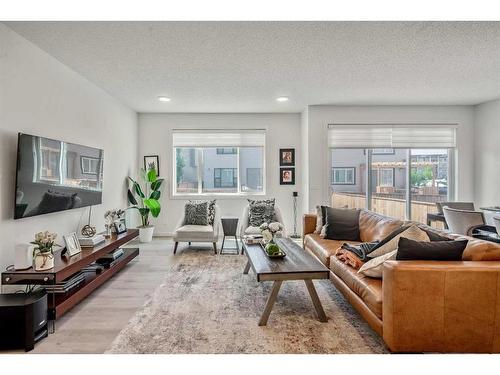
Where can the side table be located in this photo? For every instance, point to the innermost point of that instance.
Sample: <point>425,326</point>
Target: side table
<point>229,227</point>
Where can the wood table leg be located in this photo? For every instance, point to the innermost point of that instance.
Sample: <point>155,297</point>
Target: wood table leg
<point>270,302</point>
<point>316,301</point>
<point>247,268</point>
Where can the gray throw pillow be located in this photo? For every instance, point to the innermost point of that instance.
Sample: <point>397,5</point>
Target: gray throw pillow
<point>196,213</point>
<point>260,212</point>
<point>342,224</point>
<point>211,212</point>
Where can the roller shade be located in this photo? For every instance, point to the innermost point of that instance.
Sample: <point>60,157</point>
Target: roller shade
<point>219,138</point>
<point>392,136</point>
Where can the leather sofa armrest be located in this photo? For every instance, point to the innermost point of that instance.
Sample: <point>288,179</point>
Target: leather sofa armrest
<point>309,224</point>
<point>431,306</point>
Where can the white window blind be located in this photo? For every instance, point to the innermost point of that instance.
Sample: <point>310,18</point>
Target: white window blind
<point>392,136</point>
<point>219,138</point>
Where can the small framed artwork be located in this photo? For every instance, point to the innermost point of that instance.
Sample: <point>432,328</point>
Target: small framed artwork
<point>120,226</point>
<point>72,244</point>
<point>287,176</point>
<point>152,161</point>
<point>287,157</point>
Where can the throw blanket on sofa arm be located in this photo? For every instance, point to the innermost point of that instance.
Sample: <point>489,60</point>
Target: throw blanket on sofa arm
<point>361,250</point>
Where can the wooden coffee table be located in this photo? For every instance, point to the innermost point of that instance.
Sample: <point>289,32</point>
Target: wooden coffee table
<point>297,265</point>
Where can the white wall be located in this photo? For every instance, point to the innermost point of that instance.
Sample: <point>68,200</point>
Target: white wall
<point>320,116</point>
<point>39,95</point>
<point>487,154</point>
<point>283,131</point>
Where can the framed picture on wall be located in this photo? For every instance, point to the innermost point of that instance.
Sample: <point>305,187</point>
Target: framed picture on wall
<point>287,157</point>
<point>152,161</point>
<point>287,176</point>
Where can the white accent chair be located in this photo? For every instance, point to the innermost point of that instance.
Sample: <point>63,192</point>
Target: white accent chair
<point>462,221</point>
<point>245,227</point>
<point>197,233</point>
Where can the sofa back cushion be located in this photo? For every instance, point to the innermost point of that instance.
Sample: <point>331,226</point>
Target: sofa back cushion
<point>375,227</point>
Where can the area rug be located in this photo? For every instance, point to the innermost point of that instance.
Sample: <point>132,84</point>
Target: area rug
<point>207,305</point>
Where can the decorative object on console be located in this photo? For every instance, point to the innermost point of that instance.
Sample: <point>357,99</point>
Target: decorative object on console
<point>287,157</point>
<point>91,241</point>
<point>89,230</point>
<point>120,227</point>
<point>72,244</point>
<point>148,203</point>
<point>287,176</point>
<point>43,252</point>
<point>295,195</point>
<point>23,256</point>
<point>152,162</point>
<point>111,217</point>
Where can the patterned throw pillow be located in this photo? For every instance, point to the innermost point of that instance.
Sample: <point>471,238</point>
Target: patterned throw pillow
<point>196,213</point>
<point>261,211</point>
<point>211,212</point>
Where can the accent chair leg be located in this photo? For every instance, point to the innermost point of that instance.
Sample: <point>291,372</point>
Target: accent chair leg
<point>189,243</point>
<point>215,247</point>
<point>175,247</point>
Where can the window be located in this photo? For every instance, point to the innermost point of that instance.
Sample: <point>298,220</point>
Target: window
<point>225,178</point>
<point>386,177</point>
<point>89,165</point>
<point>226,150</point>
<point>409,168</point>
<point>344,176</point>
<point>219,162</point>
<point>186,170</point>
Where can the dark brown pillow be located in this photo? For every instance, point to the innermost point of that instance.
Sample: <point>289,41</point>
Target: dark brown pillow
<point>435,250</point>
<point>342,224</point>
<point>433,236</point>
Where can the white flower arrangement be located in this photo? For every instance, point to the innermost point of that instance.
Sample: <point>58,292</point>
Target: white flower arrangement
<point>111,216</point>
<point>44,242</point>
<point>269,231</point>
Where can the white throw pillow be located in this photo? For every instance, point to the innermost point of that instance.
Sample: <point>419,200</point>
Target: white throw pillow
<point>374,267</point>
<point>319,220</point>
<point>412,233</point>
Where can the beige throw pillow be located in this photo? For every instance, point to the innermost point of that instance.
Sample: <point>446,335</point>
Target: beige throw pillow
<point>412,233</point>
<point>319,220</point>
<point>375,267</point>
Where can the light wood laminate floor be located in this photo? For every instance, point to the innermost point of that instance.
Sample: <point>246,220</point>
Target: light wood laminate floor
<point>93,324</point>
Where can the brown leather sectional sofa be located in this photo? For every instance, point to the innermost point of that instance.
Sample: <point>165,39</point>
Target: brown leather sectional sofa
<point>420,306</point>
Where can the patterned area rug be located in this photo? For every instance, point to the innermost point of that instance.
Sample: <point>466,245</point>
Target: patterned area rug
<point>207,305</point>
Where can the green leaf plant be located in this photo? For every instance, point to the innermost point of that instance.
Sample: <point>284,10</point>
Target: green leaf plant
<point>146,198</point>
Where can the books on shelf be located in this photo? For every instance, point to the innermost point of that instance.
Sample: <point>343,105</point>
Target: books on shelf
<point>67,284</point>
<point>110,259</point>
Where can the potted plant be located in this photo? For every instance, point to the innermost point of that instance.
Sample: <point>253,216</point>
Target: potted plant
<point>43,253</point>
<point>147,202</point>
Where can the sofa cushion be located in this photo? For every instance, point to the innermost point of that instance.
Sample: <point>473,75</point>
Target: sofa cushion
<point>342,224</point>
<point>375,266</point>
<point>435,250</point>
<point>188,233</point>
<point>413,233</point>
<point>367,288</point>
<point>373,226</point>
<point>480,250</point>
<point>322,248</point>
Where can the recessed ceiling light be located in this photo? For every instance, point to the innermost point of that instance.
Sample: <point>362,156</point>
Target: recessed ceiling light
<point>282,98</point>
<point>164,99</point>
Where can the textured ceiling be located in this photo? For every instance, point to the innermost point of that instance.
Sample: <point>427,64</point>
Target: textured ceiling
<point>244,66</point>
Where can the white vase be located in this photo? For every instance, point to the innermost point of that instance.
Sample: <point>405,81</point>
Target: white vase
<point>146,234</point>
<point>44,261</point>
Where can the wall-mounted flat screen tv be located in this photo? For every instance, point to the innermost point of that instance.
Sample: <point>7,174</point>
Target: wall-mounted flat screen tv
<point>55,176</point>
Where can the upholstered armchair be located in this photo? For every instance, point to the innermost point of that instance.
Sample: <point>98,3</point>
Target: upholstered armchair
<point>245,227</point>
<point>463,221</point>
<point>197,233</point>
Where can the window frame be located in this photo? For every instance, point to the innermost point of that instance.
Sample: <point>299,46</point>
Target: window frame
<point>220,186</point>
<point>199,164</point>
<point>345,169</point>
<point>451,171</point>
<point>89,159</point>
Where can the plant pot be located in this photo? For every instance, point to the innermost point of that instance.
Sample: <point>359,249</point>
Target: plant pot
<point>146,234</point>
<point>44,261</point>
